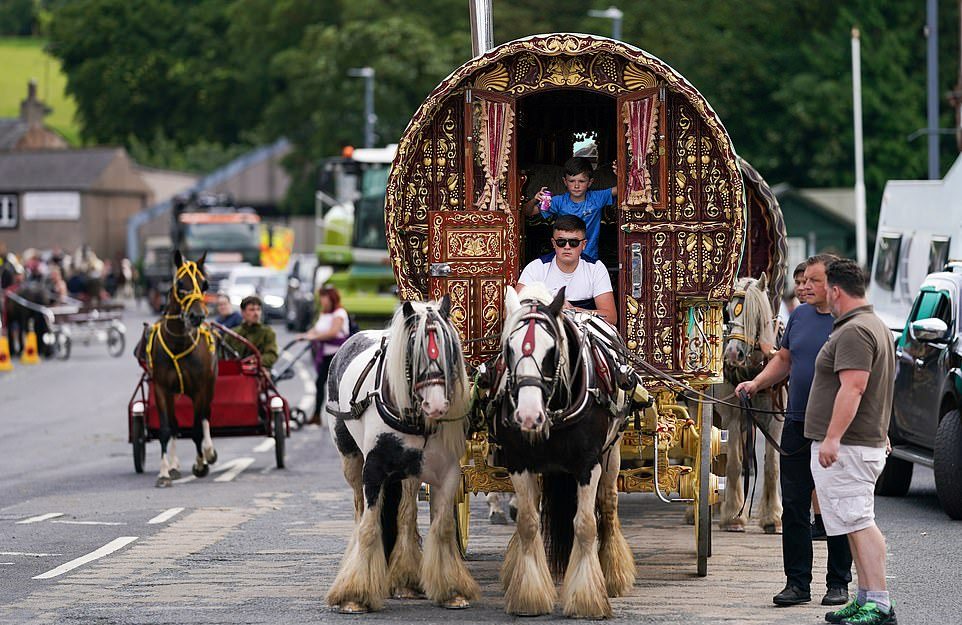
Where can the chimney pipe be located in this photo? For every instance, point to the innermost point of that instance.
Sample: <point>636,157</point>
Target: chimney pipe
<point>482,26</point>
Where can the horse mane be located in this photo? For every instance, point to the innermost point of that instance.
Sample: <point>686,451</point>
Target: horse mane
<point>539,292</point>
<point>457,387</point>
<point>758,313</point>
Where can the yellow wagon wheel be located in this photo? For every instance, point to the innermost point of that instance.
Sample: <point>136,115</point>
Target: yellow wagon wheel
<point>462,517</point>
<point>702,494</point>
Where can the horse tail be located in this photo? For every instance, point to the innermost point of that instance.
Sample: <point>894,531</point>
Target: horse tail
<point>559,502</point>
<point>389,512</point>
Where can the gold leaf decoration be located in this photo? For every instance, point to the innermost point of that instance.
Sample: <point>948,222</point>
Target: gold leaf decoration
<point>637,78</point>
<point>495,80</point>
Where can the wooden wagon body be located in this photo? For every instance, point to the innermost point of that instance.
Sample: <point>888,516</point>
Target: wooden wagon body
<point>497,129</point>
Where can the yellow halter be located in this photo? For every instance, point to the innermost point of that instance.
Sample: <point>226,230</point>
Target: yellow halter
<point>190,270</point>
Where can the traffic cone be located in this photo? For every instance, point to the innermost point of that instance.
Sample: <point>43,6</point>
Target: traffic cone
<point>6,364</point>
<point>30,355</point>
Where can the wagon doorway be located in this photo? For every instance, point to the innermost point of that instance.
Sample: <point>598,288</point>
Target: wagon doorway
<point>553,126</point>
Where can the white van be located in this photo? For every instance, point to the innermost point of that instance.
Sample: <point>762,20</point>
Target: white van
<point>919,231</point>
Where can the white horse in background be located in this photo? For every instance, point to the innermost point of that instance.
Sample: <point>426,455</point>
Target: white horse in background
<point>751,337</point>
<point>399,400</point>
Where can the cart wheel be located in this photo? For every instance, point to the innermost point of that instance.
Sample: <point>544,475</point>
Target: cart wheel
<point>115,342</point>
<point>139,444</point>
<point>702,505</point>
<point>462,518</point>
<point>61,346</point>
<point>280,433</point>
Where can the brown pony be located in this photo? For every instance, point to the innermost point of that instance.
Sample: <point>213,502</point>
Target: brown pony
<point>180,359</point>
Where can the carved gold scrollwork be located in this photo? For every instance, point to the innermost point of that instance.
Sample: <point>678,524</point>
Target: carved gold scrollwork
<point>636,78</point>
<point>494,80</point>
<point>474,245</point>
<point>566,72</point>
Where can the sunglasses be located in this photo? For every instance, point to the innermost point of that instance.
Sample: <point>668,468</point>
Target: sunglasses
<point>568,242</point>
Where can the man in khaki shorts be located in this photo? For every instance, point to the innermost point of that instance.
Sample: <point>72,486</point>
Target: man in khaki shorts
<point>847,418</point>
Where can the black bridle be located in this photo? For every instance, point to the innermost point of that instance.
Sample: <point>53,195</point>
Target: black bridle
<point>537,315</point>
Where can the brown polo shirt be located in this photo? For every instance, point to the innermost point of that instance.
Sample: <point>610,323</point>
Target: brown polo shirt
<point>860,341</point>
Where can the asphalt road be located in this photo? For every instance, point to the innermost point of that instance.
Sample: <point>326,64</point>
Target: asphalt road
<point>254,544</point>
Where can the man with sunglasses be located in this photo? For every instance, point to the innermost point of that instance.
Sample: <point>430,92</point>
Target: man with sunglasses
<point>586,281</point>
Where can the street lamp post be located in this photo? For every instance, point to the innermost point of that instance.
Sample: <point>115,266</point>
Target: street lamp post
<point>370,118</point>
<point>614,14</point>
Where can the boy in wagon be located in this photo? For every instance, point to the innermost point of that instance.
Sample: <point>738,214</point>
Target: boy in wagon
<point>586,281</point>
<point>578,201</point>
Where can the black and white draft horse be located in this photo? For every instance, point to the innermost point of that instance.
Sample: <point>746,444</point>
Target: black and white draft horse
<point>559,407</point>
<point>399,400</point>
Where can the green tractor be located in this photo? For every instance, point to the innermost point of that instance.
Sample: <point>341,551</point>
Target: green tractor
<point>352,255</point>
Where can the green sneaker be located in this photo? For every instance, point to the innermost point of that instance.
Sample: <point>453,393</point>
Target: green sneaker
<point>871,615</point>
<point>848,610</point>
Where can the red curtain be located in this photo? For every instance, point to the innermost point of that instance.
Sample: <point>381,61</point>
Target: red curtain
<point>497,122</point>
<point>641,119</point>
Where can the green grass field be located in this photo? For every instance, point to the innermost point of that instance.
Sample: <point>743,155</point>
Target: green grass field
<point>23,58</point>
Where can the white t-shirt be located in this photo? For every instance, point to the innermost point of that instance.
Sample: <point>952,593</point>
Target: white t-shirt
<point>587,281</point>
<point>324,323</point>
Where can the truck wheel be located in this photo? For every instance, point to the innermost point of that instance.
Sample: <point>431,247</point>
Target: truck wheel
<point>948,464</point>
<point>895,479</point>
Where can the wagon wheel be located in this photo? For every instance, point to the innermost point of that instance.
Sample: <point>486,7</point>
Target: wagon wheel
<point>702,496</point>
<point>139,444</point>
<point>115,342</point>
<point>462,518</point>
<point>279,438</point>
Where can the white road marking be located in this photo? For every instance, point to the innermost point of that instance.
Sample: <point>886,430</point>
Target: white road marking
<point>89,522</point>
<point>40,517</point>
<point>28,554</point>
<point>106,550</point>
<point>236,466</point>
<point>166,515</point>
<point>267,445</point>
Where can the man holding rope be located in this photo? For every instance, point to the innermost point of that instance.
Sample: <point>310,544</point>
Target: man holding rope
<point>807,330</point>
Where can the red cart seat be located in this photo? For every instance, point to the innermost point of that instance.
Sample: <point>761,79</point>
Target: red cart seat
<point>235,402</point>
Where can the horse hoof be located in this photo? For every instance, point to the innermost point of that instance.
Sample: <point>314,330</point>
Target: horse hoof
<point>456,603</point>
<point>211,457</point>
<point>174,474</point>
<point>164,482</point>
<point>497,518</point>
<point>406,593</point>
<point>513,512</point>
<point>769,528</point>
<point>201,471</point>
<point>352,607</point>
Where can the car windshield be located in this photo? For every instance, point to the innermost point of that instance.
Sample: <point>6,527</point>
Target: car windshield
<point>222,237</point>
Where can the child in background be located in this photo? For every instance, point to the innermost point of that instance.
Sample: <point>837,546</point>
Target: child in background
<point>578,201</point>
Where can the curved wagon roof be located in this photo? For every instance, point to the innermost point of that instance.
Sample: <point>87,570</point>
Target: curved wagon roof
<point>679,231</point>
<point>766,244</point>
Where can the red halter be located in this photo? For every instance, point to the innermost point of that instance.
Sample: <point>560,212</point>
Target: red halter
<point>433,352</point>
<point>527,346</point>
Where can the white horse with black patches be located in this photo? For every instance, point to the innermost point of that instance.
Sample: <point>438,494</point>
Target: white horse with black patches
<point>399,400</point>
<point>750,338</point>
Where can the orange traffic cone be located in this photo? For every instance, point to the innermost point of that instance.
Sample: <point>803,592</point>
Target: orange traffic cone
<point>5,363</point>
<point>30,355</point>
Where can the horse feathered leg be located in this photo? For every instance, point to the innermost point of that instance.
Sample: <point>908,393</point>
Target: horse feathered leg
<point>770,510</point>
<point>207,446</point>
<point>733,517</point>
<point>583,593</point>
<point>617,561</point>
<point>444,576</point>
<point>165,408</point>
<point>174,460</point>
<point>525,577</point>
<point>362,583</point>
<point>404,566</point>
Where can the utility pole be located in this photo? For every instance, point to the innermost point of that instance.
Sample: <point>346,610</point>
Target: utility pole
<point>955,96</point>
<point>861,253</point>
<point>614,14</point>
<point>932,86</point>
<point>370,119</point>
